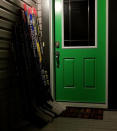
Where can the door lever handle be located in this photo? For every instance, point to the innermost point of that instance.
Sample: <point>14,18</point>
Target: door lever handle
<point>57,58</point>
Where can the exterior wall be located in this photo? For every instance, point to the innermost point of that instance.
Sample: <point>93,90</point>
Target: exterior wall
<point>11,105</point>
<point>43,16</point>
<point>39,9</point>
<point>46,33</point>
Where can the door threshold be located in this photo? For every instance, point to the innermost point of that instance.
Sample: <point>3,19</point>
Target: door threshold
<point>87,105</point>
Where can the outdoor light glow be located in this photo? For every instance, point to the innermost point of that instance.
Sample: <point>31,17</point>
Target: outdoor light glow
<point>58,6</point>
<point>48,2</point>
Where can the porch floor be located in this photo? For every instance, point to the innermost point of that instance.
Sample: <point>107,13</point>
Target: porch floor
<point>109,123</point>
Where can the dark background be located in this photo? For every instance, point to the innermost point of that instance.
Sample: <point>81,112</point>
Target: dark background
<point>112,54</point>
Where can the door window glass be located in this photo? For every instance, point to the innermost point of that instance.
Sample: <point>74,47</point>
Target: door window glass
<point>79,23</point>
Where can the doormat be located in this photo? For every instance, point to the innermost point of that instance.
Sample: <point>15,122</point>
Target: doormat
<point>86,113</point>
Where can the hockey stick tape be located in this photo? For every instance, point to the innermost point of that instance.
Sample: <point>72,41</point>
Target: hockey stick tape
<point>29,10</point>
<point>25,7</point>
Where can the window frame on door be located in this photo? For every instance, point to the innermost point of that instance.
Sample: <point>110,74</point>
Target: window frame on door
<point>78,47</point>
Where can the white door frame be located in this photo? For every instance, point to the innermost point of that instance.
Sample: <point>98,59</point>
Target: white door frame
<point>52,68</point>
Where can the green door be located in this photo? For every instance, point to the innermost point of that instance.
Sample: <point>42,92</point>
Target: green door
<point>80,50</point>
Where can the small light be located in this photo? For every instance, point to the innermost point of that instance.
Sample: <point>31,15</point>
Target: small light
<point>58,6</point>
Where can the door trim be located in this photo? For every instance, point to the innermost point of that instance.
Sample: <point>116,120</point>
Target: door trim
<point>51,41</point>
<point>52,68</point>
<point>107,44</point>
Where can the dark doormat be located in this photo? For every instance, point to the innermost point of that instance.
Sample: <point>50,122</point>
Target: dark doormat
<point>86,113</point>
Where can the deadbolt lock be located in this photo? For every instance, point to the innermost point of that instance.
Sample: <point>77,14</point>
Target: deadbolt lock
<point>57,44</point>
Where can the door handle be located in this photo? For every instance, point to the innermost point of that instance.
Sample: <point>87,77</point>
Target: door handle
<point>57,58</point>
